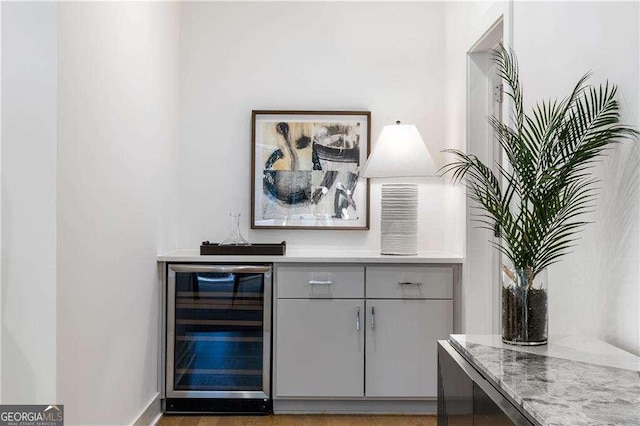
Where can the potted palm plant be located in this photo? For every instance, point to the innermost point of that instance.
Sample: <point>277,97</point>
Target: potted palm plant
<point>537,203</point>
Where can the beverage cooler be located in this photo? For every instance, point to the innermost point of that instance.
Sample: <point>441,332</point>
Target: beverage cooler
<point>218,339</point>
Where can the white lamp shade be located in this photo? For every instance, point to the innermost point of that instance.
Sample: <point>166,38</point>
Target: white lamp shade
<point>399,152</point>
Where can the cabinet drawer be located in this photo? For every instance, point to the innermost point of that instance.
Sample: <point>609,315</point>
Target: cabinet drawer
<point>321,282</point>
<point>410,282</point>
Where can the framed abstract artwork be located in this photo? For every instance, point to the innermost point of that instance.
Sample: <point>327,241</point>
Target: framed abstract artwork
<point>305,170</point>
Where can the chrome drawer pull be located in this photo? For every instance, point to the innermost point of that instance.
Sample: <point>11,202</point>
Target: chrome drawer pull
<point>410,283</point>
<point>358,320</point>
<point>317,282</point>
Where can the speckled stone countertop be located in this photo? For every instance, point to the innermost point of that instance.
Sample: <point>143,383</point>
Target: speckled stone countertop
<point>570,381</point>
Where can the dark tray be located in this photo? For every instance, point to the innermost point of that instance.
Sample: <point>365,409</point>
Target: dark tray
<point>277,249</point>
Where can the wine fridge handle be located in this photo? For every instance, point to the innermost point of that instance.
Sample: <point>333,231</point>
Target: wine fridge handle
<point>248,269</point>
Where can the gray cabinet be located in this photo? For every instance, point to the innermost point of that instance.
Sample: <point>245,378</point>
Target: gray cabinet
<point>401,346</point>
<point>409,282</point>
<point>360,331</point>
<point>320,348</point>
<point>320,282</point>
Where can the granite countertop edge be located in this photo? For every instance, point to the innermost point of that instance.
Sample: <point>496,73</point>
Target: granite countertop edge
<point>608,377</point>
<point>506,390</point>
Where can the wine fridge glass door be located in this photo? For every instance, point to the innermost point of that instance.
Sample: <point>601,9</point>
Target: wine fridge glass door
<point>218,331</point>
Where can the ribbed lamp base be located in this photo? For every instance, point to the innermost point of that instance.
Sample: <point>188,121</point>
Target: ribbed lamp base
<point>399,219</point>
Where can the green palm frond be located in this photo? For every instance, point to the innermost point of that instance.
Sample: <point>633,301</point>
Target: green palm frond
<point>538,202</point>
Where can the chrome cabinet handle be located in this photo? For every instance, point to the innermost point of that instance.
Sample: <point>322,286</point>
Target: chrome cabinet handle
<point>318,282</point>
<point>410,283</point>
<point>358,319</point>
<point>373,317</point>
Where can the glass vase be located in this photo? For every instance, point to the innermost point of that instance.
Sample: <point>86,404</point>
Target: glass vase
<point>524,306</point>
<point>235,238</point>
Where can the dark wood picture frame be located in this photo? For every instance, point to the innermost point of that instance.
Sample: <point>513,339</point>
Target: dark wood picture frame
<point>255,114</point>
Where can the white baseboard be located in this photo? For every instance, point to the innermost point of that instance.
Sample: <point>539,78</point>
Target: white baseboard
<point>151,414</point>
<point>306,406</point>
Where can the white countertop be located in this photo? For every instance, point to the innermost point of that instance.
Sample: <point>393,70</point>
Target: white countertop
<point>317,256</point>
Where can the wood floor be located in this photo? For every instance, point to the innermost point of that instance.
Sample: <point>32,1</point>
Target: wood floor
<point>298,420</point>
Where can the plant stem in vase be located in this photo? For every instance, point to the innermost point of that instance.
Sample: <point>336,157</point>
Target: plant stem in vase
<point>524,307</point>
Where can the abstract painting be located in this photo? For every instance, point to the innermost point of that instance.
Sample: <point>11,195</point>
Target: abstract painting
<point>306,170</point>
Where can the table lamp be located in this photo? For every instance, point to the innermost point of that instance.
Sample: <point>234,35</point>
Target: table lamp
<point>399,152</point>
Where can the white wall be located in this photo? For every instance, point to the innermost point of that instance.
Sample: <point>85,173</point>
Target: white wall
<point>28,202</point>
<point>464,24</point>
<point>1,73</point>
<point>382,57</point>
<point>117,141</point>
<point>594,291</point>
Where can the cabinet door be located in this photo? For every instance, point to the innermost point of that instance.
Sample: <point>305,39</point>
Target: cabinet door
<point>402,346</point>
<point>320,348</point>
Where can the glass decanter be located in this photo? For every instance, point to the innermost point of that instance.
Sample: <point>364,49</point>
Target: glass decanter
<point>235,238</point>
